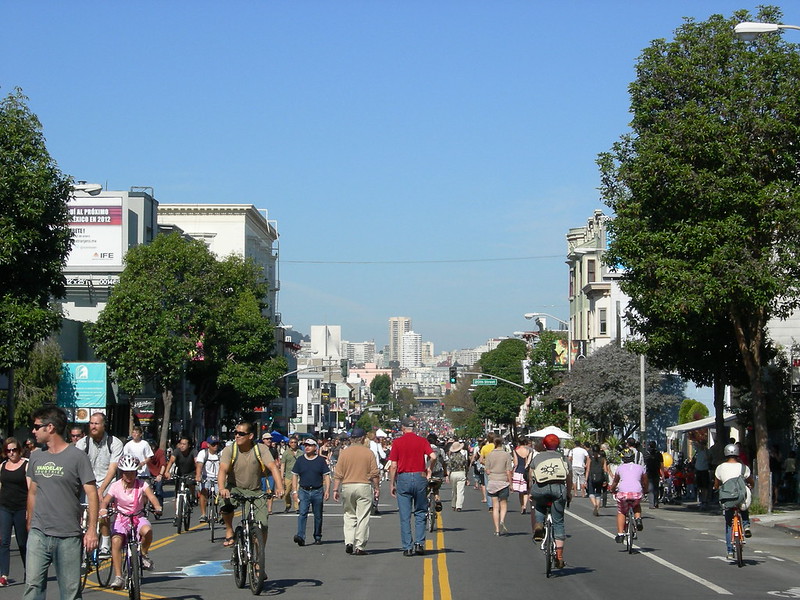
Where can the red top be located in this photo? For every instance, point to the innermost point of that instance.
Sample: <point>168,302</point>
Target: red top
<point>411,453</point>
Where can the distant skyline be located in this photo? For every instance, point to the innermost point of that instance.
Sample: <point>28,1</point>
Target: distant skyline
<point>421,159</point>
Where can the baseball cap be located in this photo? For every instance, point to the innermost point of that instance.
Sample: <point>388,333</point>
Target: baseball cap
<point>212,439</point>
<point>358,432</point>
<point>310,442</point>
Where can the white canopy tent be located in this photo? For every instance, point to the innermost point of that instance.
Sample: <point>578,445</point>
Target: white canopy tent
<point>562,435</point>
<point>676,431</point>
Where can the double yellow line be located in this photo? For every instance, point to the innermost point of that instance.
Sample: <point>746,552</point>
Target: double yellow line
<point>428,571</point>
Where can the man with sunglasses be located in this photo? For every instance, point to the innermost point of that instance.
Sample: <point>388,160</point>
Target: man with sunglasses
<point>56,479</point>
<point>241,467</point>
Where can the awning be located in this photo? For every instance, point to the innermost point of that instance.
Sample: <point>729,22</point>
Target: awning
<point>563,435</point>
<point>700,424</point>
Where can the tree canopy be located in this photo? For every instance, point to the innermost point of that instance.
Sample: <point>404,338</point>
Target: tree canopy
<point>706,191</point>
<point>34,235</point>
<point>501,403</point>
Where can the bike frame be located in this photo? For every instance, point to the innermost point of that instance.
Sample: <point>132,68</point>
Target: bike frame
<point>737,536</point>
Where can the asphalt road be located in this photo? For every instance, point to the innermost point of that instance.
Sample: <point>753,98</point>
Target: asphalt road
<point>680,554</point>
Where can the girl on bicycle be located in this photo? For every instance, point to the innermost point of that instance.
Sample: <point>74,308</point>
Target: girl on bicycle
<point>629,483</point>
<point>129,494</point>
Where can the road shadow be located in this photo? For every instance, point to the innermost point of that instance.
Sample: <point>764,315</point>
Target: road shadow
<point>276,587</point>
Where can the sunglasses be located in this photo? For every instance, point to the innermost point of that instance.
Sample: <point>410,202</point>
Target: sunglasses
<point>12,449</point>
<point>240,433</point>
<point>39,426</point>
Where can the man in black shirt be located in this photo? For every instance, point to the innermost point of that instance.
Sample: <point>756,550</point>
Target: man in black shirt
<point>311,479</point>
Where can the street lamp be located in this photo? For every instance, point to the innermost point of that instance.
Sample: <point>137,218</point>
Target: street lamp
<point>750,31</point>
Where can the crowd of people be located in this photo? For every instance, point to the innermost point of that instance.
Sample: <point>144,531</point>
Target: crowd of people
<point>43,485</point>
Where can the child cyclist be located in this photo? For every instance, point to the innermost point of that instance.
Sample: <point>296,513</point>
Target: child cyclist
<point>629,483</point>
<point>129,494</point>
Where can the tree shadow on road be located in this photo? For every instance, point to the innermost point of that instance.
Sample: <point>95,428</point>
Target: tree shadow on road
<point>274,587</point>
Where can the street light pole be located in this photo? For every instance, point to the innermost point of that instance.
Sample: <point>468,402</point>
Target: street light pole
<point>533,315</point>
<point>750,31</point>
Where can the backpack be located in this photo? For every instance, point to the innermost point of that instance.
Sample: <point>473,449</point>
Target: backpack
<point>734,491</point>
<point>653,461</point>
<point>109,441</point>
<point>438,465</point>
<point>458,462</point>
<point>551,469</point>
<point>235,453</point>
<point>596,474</point>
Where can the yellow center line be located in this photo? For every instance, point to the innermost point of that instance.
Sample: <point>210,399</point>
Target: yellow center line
<point>443,574</point>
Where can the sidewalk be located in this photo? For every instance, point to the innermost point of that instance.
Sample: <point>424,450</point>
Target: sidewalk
<point>785,517</point>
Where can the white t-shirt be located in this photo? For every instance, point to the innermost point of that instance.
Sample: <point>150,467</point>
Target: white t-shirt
<point>579,456</point>
<point>729,470</point>
<point>141,451</point>
<point>211,466</point>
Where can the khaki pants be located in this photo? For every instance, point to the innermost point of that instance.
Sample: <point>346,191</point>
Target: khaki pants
<point>357,502</point>
<point>458,481</point>
<point>287,494</point>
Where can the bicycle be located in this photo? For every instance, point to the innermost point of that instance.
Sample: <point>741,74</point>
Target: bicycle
<point>91,561</point>
<point>737,536</point>
<point>630,524</point>
<point>212,509</point>
<point>249,550</point>
<point>151,481</point>
<point>183,503</point>
<point>132,567</point>
<point>432,516</point>
<point>549,541</point>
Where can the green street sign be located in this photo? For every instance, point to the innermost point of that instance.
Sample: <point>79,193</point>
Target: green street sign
<point>484,382</point>
<point>457,409</point>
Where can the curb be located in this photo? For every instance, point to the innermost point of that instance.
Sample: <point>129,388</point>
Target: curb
<point>793,530</point>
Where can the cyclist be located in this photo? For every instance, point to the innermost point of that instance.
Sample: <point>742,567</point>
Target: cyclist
<point>551,483</point>
<point>438,472</point>
<point>730,469</point>
<point>207,469</point>
<point>129,493</point>
<point>629,484</point>
<point>241,466</point>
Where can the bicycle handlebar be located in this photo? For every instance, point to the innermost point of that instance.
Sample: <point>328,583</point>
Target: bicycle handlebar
<point>242,498</point>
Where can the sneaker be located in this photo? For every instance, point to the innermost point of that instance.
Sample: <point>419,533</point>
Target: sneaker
<point>203,519</point>
<point>118,583</point>
<point>596,512</point>
<point>559,564</point>
<point>747,532</point>
<point>619,538</point>
<point>3,581</point>
<point>729,556</point>
<point>538,533</point>
<point>299,541</point>
<point>639,525</point>
<point>147,563</point>
<point>348,548</point>
<point>104,553</point>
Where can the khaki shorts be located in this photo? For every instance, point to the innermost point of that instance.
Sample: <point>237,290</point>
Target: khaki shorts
<point>261,513</point>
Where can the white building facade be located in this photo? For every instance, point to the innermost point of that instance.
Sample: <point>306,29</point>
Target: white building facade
<point>398,326</point>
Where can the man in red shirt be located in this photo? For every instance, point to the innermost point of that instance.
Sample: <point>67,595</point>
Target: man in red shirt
<point>411,462</point>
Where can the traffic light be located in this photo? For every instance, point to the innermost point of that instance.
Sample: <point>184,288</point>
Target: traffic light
<point>345,367</point>
<point>453,375</point>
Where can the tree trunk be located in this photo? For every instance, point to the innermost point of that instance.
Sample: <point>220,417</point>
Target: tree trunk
<point>719,407</point>
<point>166,397</point>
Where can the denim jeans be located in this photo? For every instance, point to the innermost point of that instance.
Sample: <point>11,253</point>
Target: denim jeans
<point>728,512</point>
<point>11,519</point>
<point>412,489</point>
<point>557,494</point>
<point>64,553</point>
<point>312,499</point>
<point>653,483</point>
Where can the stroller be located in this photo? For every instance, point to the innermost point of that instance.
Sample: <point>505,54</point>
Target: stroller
<point>673,483</point>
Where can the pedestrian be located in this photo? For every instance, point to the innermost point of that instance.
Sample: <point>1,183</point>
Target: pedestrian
<point>268,483</point>
<point>290,455</point>
<point>484,451</point>
<point>519,484</point>
<point>241,467</point>
<point>702,474</point>
<point>653,463</point>
<point>57,477</point>
<point>411,463</point>
<point>499,468</point>
<point>551,486</point>
<point>580,462</point>
<point>76,433</point>
<point>138,449</point>
<point>597,477</point>
<point>104,451</point>
<point>357,482</point>
<point>13,504</point>
<point>375,445</point>
<point>311,480</point>
<point>457,465</point>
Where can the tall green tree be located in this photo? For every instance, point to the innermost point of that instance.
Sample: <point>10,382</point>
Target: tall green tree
<point>34,235</point>
<point>705,190</point>
<point>381,388</point>
<point>501,403</point>
<point>36,382</point>
<point>546,408</point>
<point>605,389</point>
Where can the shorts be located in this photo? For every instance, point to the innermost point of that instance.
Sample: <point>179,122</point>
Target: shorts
<point>501,494</point>
<point>208,484</point>
<point>625,499</point>
<point>262,514</point>
<point>122,526</point>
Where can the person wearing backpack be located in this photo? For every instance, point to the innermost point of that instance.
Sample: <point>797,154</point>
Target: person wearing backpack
<point>438,471</point>
<point>457,466</point>
<point>733,480</point>
<point>653,463</point>
<point>551,482</point>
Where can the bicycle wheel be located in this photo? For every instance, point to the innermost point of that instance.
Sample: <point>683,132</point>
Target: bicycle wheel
<point>239,559</point>
<point>86,566</point>
<point>187,514</point>
<point>134,574</point>
<point>549,549</point>
<point>211,514</point>
<point>431,519</point>
<point>631,530</point>
<point>103,569</point>
<point>737,532</point>
<point>179,512</point>
<point>257,572</point>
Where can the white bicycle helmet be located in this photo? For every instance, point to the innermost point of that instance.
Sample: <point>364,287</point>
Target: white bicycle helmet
<point>128,463</point>
<point>731,450</point>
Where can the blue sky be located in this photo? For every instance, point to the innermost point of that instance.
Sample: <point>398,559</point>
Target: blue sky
<point>407,150</point>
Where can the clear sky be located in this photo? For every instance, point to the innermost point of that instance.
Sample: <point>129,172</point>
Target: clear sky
<point>421,159</point>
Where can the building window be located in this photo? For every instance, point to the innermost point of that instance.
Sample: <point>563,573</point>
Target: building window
<point>603,325</point>
<point>591,275</point>
<point>299,410</point>
<point>310,412</point>
<point>571,283</point>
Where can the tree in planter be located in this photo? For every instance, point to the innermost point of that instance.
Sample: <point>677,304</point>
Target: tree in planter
<point>605,389</point>
<point>706,191</point>
<point>34,235</point>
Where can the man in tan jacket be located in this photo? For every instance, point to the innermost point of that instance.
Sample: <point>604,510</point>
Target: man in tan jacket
<point>356,481</point>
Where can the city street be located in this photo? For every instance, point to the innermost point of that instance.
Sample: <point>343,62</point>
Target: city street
<point>680,554</point>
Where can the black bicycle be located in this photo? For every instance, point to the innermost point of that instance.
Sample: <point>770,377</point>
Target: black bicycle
<point>212,509</point>
<point>249,551</point>
<point>132,567</point>
<point>432,516</point>
<point>549,541</point>
<point>183,502</point>
<point>91,561</point>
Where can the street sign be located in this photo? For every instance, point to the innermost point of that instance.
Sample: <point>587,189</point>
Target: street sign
<point>374,409</point>
<point>484,382</point>
<point>457,409</point>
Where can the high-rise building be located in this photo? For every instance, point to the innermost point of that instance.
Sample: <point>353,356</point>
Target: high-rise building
<point>412,350</point>
<point>397,327</point>
<point>358,353</point>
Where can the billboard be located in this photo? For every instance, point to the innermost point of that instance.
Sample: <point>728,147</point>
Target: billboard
<point>82,389</point>
<point>96,225</point>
